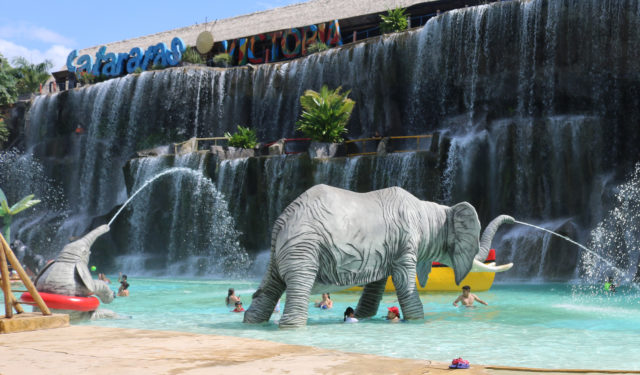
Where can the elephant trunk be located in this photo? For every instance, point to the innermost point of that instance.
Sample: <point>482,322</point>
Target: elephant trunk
<point>76,249</point>
<point>489,232</point>
<point>102,290</point>
<point>92,236</point>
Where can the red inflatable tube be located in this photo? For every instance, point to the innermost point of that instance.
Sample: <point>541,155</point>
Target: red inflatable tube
<point>60,302</point>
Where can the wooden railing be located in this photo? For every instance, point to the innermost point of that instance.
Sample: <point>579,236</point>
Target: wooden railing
<point>362,142</point>
<point>194,144</point>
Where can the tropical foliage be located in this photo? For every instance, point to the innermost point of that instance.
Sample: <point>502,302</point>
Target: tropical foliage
<point>325,114</point>
<point>31,76</point>
<point>223,60</point>
<point>7,212</point>
<point>317,47</point>
<point>86,77</point>
<point>8,82</point>
<point>395,20</point>
<point>191,55</point>
<point>244,137</point>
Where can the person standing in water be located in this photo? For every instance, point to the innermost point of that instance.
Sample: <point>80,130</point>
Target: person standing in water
<point>232,298</point>
<point>467,298</point>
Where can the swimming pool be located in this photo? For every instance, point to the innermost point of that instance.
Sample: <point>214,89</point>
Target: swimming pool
<point>539,325</point>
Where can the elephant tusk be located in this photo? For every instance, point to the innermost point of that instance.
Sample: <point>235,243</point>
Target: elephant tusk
<point>491,267</point>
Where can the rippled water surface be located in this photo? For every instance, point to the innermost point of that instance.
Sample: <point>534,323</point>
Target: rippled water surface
<point>541,325</point>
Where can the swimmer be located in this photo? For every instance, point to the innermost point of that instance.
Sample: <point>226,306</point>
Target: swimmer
<point>326,302</point>
<point>609,286</point>
<point>349,315</point>
<point>124,289</point>
<point>393,315</point>
<point>238,308</point>
<point>467,298</point>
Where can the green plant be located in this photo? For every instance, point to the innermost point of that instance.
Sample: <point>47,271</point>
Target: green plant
<point>325,114</point>
<point>137,70</point>
<point>31,76</point>
<point>191,55</point>
<point>223,60</point>
<point>7,213</point>
<point>317,47</point>
<point>86,77</point>
<point>244,137</point>
<point>8,82</point>
<point>157,67</point>
<point>395,20</point>
<point>4,131</point>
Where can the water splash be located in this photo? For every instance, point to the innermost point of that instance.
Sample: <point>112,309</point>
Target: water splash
<point>570,240</point>
<point>148,182</point>
<point>618,235</point>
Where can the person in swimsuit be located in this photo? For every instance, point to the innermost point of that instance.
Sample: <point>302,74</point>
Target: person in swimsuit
<point>238,308</point>
<point>232,299</point>
<point>467,298</point>
<point>326,302</point>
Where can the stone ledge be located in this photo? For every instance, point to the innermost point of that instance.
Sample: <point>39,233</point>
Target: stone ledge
<point>32,322</point>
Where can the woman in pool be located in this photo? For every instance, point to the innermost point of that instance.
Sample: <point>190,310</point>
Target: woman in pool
<point>232,298</point>
<point>326,302</point>
<point>349,315</point>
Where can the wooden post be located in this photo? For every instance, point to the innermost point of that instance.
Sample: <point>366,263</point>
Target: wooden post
<point>23,275</point>
<point>6,287</point>
<point>266,55</point>
<point>355,36</point>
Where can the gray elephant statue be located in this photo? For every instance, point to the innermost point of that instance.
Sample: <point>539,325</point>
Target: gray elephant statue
<point>330,239</point>
<point>69,275</point>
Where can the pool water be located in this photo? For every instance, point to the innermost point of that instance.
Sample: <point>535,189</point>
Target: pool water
<point>539,325</point>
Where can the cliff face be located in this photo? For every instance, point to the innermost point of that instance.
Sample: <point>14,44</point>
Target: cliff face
<point>537,103</point>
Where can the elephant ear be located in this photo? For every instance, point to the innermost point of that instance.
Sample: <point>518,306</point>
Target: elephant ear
<point>464,239</point>
<point>85,275</point>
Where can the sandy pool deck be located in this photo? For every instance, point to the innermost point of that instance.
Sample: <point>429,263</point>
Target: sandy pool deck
<point>101,350</point>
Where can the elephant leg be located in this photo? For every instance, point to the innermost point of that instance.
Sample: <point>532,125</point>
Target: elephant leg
<point>265,300</point>
<point>296,308</point>
<point>370,299</point>
<point>404,280</point>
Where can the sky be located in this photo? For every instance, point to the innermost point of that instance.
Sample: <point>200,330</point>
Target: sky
<point>41,29</point>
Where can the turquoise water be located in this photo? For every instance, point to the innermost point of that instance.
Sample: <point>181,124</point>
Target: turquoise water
<point>541,325</point>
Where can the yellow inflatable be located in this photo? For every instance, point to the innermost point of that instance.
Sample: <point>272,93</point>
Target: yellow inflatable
<point>441,279</point>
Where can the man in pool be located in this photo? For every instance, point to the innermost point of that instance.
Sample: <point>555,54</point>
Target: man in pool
<point>467,298</point>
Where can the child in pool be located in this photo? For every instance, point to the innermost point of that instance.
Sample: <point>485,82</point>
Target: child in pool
<point>238,308</point>
<point>393,315</point>
<point>467,298</point>
<point>349,315</point>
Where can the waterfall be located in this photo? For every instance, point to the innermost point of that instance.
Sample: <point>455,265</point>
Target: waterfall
<point>180,224</point>
<point>536,102</point>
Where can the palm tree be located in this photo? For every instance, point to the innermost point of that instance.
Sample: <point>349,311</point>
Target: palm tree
<point>30,76</point>
<point>7,213</point>
<point>325,114</point>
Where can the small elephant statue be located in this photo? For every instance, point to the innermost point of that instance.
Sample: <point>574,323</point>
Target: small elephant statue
<point>330,239</point>
<point>69,273</point>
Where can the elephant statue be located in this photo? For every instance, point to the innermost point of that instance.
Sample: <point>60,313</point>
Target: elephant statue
<point>330,239</point>
<point>69,275</point>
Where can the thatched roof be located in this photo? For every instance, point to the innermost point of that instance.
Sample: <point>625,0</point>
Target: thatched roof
<point>297,15</point>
